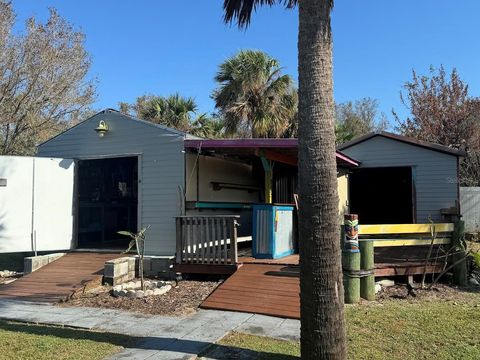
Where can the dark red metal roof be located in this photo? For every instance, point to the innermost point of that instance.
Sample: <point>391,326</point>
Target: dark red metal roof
<point>243,143</point>
<point>289,145</point>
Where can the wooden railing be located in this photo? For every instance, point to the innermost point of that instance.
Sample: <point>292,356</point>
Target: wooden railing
<point>373,251</point>
<point>207,239</point>
<point>406,234</point>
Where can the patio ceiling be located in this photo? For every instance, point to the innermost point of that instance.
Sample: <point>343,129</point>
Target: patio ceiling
<point>280,150</point>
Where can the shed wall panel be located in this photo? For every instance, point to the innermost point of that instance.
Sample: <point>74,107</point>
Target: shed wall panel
<point>219,170</point>
<point>435,173</point>
<point>161,162</point>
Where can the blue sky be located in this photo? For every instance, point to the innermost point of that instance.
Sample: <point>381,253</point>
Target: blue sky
<point>162,47</point>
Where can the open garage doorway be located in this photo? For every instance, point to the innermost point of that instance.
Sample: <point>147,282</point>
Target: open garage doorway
<point>107,201</point>
<point>382,195</point>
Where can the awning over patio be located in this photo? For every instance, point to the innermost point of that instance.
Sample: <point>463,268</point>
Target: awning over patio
<point>280,150</point>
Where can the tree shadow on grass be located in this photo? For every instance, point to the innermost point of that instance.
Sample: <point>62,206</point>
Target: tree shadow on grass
<point>194,347</point>
<point>68,333</point>
<point>222,352</point>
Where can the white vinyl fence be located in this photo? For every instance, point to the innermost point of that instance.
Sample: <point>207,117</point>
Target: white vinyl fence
<point>470,207</point>
<point>36,204</point>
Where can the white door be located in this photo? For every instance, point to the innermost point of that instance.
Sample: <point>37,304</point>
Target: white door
<point>36,204</point>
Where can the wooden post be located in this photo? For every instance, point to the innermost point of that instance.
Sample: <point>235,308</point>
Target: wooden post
<point>367,263</point>
<point>233,242</point>
<point>179,239</point>
<point>459,256</point>
<point>351,259</point>
<point>268,169</point>
<point>268,187</point>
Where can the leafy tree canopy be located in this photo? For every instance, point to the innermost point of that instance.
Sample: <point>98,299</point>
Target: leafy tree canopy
<point>443,112</point>
<point>354,119</point>
<point>43,85</point>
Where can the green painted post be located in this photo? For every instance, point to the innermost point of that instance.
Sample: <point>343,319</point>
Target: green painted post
<point>351,259</point>
<point>351,283</point>
<point>367,263</point>
<point>459,256</point>
<point>268,169</point>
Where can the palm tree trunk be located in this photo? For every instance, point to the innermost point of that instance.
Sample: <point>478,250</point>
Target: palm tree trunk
<point>321,287</point>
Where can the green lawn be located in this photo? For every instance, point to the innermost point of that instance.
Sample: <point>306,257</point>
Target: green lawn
<point>438,329</point>
<point>35,342</point>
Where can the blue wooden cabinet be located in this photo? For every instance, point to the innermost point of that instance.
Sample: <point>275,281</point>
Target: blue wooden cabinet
<point>272,231</point>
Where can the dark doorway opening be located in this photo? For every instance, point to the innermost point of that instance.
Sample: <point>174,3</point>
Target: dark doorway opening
<point>382,195</point>
<point>285,183</point>
<point>107,201</point>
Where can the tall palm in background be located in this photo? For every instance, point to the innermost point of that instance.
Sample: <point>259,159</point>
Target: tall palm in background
<point>321,288</point>
<point>209,127</point>
<point>174,111</point>
<point>253,97</point>
<point>177,112</point>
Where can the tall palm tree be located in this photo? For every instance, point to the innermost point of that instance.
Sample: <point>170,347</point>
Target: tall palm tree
<point>209,127</point>
<point>174,111</point>
<point>321,288</point>
<point>253,97</point>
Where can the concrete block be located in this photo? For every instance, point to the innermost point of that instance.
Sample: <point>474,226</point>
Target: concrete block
<point>386,283</point>
<point>159,266</point>
<point>119,271</point>
<point>131,264</point>
<point>33,263</point>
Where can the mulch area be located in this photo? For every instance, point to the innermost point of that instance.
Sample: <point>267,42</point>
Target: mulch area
<point>438,292</point>
<point>183,299</point>
<point>443,290</point>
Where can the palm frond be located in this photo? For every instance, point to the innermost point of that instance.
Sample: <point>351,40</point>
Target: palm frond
<point>241,10</point>
<point>251,95</point>
<point>174,111</point>
<point>126,233</point>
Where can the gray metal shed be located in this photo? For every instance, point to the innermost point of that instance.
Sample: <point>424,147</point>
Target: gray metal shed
<point>397,172</point>
<point>148,160</point>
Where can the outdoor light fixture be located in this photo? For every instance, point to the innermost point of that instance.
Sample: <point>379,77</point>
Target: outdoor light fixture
<point>102,128</point>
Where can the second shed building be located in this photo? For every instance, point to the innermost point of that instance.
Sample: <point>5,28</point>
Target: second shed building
<point>402,180</point>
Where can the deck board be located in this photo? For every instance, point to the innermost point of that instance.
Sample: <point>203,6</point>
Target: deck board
<point>256,288</point>
<point>287,260</point>
<point>60,279</point>
<point>251,290</point>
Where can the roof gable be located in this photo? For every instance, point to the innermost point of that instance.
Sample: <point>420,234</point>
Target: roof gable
<point>404,139</point>
<point>125,117</point>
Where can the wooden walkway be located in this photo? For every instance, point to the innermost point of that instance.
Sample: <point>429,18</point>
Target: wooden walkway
<point>58,280</point>
<point>256,288</point>
<point>272,287</point>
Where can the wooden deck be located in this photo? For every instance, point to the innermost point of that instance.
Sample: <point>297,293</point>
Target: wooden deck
<point>58,280</point>
<point>388,261</point>
<point>254,288</point>
<point>272,287</point>
<point>287,260</point>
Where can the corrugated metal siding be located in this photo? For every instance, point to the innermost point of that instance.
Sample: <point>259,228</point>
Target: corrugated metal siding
<point>470,206</point>
<point>435,173</point>
<point>162,167</point>
<point>263,232</point>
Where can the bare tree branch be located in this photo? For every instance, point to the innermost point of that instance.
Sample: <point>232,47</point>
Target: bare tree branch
<point>43,80</point>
